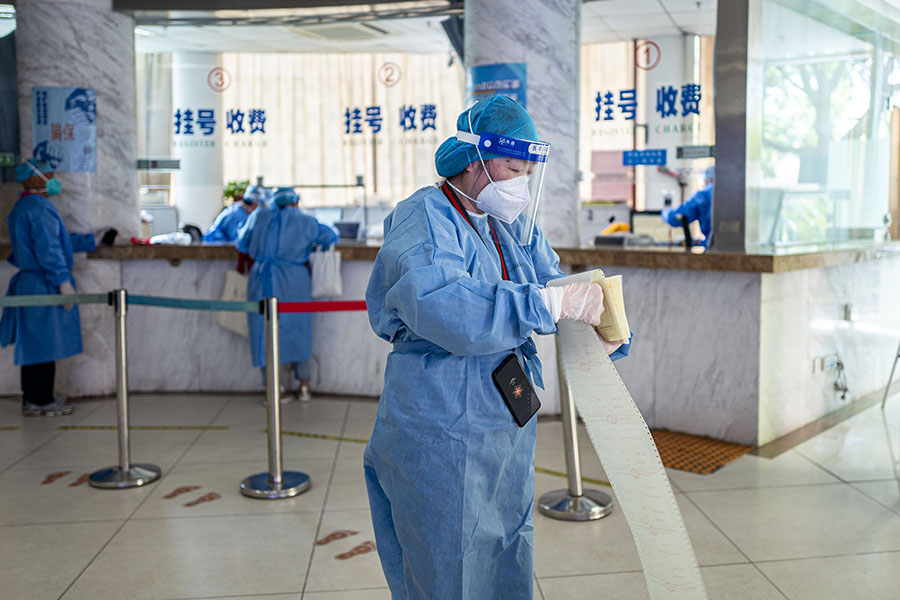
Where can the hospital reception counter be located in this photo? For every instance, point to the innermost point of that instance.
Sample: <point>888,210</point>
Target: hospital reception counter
<point>737,347</point>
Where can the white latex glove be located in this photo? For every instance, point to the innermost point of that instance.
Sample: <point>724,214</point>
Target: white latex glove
<point>582,301</point>
<point>66,289</point>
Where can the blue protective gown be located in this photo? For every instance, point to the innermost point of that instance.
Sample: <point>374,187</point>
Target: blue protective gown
<point>42,250</point>
<point>697,208</point>
<point>279,240</point>
<point>450,475</point>
<point>226,226</point>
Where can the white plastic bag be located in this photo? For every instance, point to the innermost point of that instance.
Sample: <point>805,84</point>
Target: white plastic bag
<point>326,273</point>
<point>235,289</point>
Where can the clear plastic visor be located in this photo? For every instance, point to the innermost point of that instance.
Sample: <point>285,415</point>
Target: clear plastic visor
<point>517,158</point>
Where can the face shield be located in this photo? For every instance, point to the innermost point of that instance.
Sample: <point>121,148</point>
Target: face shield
<point>528,160</point>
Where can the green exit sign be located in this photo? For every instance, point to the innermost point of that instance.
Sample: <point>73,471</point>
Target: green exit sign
<point>7,159</point>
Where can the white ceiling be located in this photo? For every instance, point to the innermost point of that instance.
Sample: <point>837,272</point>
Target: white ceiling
<point>602,21</point>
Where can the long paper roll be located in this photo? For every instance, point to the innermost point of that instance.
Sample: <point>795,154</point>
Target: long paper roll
<point>626,449</point>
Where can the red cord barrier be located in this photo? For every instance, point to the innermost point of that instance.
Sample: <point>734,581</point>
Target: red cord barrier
<point>316,307</point>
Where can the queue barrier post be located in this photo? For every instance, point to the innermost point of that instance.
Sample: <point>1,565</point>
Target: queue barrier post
<point>574,503</point>
<point>126,474</point>
<point>276,483</point>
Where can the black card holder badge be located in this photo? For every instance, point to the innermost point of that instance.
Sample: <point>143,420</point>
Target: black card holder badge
<point>516,390</point>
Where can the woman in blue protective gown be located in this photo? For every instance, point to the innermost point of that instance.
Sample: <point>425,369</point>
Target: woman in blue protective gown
<point>42,250</point>
<point>279,239</point>
<point>226,226</point>
<point>456,288</point>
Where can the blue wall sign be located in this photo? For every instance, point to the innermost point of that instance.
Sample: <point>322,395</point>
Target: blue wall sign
<point>504,79</point>
<point>631,158</point>
<point>64,128</point>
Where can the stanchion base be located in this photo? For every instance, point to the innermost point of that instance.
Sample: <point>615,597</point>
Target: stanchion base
<point>118,478</point>
<point>561,505</point>
<point>293,483</point>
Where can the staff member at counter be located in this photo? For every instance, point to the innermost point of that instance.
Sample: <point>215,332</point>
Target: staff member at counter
<point>697,208</point>
<point>42,250</point>
<point>226,226</point>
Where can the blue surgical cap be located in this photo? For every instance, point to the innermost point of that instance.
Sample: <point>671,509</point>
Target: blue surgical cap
<point>499,115</point>
<point>284,196</point>
<point>23,171</point>
<point>255,193</point>
<point>710,173</point>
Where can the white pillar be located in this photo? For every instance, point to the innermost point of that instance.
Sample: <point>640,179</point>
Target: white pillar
<point>197,185</point>
<point>675,68</point>
<point>548,39</point>
<point>84,43</point>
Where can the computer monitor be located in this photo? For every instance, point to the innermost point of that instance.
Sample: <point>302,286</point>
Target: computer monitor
<point>328,215</point>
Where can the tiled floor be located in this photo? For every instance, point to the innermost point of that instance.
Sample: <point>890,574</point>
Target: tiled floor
<point>821,521</point>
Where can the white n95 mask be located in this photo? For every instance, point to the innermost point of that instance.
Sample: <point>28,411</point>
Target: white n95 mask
<point>505,199</point>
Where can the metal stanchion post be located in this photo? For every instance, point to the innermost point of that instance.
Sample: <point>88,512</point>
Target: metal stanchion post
<point>276,483</point>
<point>126,474</point>
<point>574,503</point>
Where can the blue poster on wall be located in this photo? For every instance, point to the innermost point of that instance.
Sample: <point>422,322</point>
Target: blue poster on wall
<point>64,128</point>
<point>506,79</point>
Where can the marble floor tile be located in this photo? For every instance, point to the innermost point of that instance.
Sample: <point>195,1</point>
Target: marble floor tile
<point>266,597</point>
<point>727,582</point>
<point>224,479</point>
<point>319,415</point>
<point>361,410</point>
<point>869,576</point>
<point>16,444</point>
<point>327,572</point>
<point>379,594</point>
<point>801,522</point>
<point>202,557</point>
<point>162,409</point>
<point>348,487</point>
<point>25,498</point>
<point>46,559</point>
<point>359,430</point>
<point>97,449</point>
<point>550,451</point>
<point>249,442</point>
<point>886,493</point>
<point>864,449</point>
<point>750,471</point>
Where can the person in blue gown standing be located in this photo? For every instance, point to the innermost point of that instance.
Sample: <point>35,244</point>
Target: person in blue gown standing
<point>279,239</point>
<point>459,285</point>
<point>697,208</point>
<point>226,226</point>
<point>42,250</point>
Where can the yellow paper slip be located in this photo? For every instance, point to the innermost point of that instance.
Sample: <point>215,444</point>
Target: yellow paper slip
<point>613,325</point>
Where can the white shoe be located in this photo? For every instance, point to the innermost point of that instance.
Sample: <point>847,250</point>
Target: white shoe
<point>305,396</point>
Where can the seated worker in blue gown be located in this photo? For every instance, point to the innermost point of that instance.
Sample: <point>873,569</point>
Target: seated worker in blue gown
<point>279,239</point>
<point>226,226</point>
<point>42,250</point>
<point>459,285</point>
<point>697,208</point>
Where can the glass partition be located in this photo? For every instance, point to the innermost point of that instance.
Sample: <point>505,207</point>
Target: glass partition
<point>829,84</point>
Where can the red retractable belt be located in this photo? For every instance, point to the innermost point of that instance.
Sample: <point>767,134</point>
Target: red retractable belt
<point>316,307</point>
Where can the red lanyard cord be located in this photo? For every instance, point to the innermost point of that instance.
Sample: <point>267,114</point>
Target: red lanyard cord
<point>451,196</point>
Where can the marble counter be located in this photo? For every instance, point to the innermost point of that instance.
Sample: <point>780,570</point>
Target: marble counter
<point>721,353</point>
<point>783,261</point>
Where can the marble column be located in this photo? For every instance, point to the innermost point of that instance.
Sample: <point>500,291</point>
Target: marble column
<point>85,43</point>
<point>547,37</point>
<point>197,185</point>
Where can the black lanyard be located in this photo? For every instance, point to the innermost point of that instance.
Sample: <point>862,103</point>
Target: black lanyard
<point>451,196</point>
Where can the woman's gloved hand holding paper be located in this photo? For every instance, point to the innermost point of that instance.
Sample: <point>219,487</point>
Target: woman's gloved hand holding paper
<point>613,324</point>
